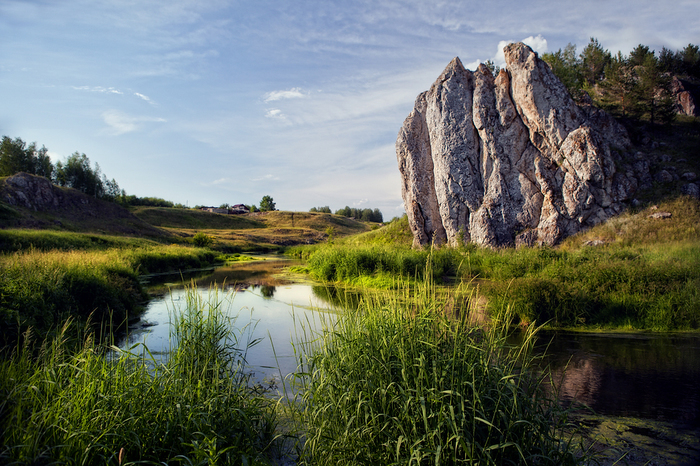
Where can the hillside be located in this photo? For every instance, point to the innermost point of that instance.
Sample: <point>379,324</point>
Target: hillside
<point>32,202</point>
<point>259,231</point>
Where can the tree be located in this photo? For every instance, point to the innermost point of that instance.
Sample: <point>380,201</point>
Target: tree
<point>653,90</point>
<point>16,156</point>
<point>495,69</point>
<point>639,55</point>
<point>690,60</point>
<point>77,173</point>
<point>567,67</point>
<point>267,204</point>
<point>593,61</point>
<point>618,87</point>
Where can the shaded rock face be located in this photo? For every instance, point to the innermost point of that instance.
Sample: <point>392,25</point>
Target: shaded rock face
<point>509,159</point>
<point>686,96</point>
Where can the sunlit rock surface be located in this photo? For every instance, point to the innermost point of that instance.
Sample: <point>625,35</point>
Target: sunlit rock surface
<point>510,159</point>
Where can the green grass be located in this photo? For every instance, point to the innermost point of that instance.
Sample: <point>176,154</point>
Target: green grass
<point>41,289</point>
<point>190,219</point>
<point>46,240</point>
<point>399,381</point>
<point>101,405</point>
<point>645,275</point>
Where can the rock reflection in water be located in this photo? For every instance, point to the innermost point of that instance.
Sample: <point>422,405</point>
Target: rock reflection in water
<point>653,376</point>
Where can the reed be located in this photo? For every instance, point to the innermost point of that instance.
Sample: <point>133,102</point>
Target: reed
<point>41,289</point>
<point>409,380</point>
<point>103,405</point>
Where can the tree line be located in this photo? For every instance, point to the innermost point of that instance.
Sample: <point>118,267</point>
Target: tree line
<point>75,172</point>
<point>637,85</point>
<point>366,215</point>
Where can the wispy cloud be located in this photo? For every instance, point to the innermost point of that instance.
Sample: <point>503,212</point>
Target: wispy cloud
<point>144,97</point>
<point>121,123</point>
<point>293,93</point>
<point>276,114</point>
<point>100,89</point>
<point>267,177</point>
<point>217,182</point>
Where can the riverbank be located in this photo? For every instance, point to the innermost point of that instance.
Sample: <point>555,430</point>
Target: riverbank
<point>638,271</point>
<point>86,278</point>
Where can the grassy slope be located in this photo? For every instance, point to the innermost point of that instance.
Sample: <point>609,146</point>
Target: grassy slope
<point>266,231</point>
<point>78,212</point>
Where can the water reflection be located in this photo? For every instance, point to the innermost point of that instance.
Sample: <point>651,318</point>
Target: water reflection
<point>271,308</point>
<point>641,375</point>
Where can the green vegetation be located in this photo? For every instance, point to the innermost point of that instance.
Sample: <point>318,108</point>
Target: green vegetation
<point>193,219</point>
<point>644,274</point>
<point>267,204</point>
<point>41,287</point>
<point>101,405</point>
<point>75,172</point>
<point>366,215</point>
<point>636,86</point>
<point>16,156</point>
<point>399,381</point>
<point>202,240</point>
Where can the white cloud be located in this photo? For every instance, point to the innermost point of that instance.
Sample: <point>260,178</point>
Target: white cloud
<point>217,182</point>
<point>473,65</point>
<point>267,178</point>
<point>100,89</point>
<point>275,113</point>
<point>143,97</point>
<point>294,93</point>
<point>120,123</point>
<point>537,43</point>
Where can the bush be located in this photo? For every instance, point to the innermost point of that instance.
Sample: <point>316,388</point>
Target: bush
<point>202,240</point>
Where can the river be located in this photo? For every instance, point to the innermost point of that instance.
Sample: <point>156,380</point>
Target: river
<point>654,377</point>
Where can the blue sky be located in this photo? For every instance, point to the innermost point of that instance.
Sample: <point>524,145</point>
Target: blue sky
<point>214,101</point>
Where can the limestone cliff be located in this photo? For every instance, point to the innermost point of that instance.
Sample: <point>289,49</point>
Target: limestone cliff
<point>509,159</point>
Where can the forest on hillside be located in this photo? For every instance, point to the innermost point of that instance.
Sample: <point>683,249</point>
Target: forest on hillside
<point>643,85</point>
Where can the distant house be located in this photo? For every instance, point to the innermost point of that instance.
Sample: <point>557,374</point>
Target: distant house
<point>215,210</point>
<point>239,209</point>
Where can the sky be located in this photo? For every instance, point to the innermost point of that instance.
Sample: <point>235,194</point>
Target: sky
<point>206,102</point>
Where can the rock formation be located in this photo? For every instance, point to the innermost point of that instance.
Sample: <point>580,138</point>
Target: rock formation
<point>686,95</point>
<point>510,159</point>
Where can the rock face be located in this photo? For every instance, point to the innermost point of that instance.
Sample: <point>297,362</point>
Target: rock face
<point>686,96</point>
<point>509,159</point>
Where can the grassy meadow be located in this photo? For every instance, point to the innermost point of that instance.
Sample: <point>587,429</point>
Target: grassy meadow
<point>404,377</point>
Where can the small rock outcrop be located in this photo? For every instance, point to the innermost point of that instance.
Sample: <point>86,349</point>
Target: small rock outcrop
<point>510,159</point>
<point>686,95</point>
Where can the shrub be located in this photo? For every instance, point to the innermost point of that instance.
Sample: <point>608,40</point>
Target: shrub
<point>202,240</point>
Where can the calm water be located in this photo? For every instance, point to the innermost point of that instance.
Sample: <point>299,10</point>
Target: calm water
<point>652,376</point>
<point>267,313</point>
